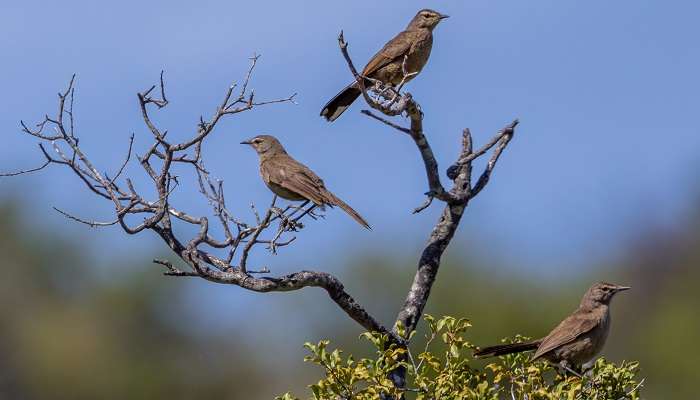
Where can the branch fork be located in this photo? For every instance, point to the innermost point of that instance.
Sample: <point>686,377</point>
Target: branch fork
<point>455,199</point>
<point>222,260</point>
<point>225,260</point>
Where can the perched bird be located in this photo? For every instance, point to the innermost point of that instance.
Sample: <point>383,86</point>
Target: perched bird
<point>578,338</point>
<point>292,180</point>
<point>413,45</point>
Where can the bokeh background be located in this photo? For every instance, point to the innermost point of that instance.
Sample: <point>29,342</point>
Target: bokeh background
<point>600,183</point>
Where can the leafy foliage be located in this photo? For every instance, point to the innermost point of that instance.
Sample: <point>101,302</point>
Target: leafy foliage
<point>444,370</point>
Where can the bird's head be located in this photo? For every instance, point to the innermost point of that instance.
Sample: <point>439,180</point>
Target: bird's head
<point>427,19</point>
<point>602,293</point>
<point>265,144</point>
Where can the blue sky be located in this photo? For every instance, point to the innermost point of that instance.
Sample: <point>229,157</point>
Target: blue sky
<point>607,95</point>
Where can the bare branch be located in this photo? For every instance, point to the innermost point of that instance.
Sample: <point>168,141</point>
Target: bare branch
<point>92,224</point>
<point>172,271</point>
<point>27,171</point>
<point>446,226</point>
<point>505,137</point>
<point>386,121</point>
<point>126,161</point>
<point>397,105</point>
<point>159,215</point>
<point>136,213</point>
<point>456,199</point>
<point>508,130</point>
<point>263,224</point>
<point>297,281</point>
<point>426,204</point>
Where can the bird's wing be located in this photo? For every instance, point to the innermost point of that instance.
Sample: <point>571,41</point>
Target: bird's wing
<point>296,177</point>
<point>395,48</point>
<point>569,329</point>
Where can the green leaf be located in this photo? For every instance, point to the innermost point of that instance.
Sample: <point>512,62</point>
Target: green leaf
<point>441,374</point>
<point>454,351</point>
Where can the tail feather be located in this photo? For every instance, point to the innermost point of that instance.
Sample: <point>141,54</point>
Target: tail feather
<point>338,104</point>
<point>335,201</point>
<point>502,349</point>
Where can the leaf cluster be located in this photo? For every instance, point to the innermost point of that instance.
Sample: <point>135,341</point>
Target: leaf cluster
<point>445,369</point>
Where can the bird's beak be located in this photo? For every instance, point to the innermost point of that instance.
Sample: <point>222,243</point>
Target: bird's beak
<point>443,16</point>
<point>622,288</point>
<point>246,142</point>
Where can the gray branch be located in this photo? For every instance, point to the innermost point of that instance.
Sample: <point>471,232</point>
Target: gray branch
<point>444,230</point>
<point>389,101</point>
<point>135,213</point>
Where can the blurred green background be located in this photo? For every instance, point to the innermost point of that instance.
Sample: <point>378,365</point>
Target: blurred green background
<point>73,326</point>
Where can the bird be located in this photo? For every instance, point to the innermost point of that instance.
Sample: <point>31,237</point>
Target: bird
<point>412,45</point>
<point>292,180</point>
<point>577,339</point>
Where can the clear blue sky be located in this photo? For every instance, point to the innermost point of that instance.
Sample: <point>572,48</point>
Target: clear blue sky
<point>607,95</point>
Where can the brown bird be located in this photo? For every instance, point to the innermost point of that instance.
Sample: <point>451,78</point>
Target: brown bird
<point>292,180</point>
<point>412,45</point>
<point>578,338</point>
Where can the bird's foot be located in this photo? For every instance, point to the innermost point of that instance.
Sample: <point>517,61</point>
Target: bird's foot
<point>277,211</point>
<point>377,85</point>
<point>565,369</point>
<point>384,92</point>
<point>587,368</point>
<point>288,224</point>
<point>315,214</point>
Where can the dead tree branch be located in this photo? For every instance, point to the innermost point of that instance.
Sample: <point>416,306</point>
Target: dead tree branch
<point>274,228</point>
<point>389,101</point>
<point>160,214</point>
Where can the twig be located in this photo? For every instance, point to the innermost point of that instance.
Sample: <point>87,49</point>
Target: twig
<point>634,389</point>
<point>126,161</point>
<point>92,224</point>
<point>456,199</point>
<point>385,121</point>
<point>426,204</point>
<point>27,171</point>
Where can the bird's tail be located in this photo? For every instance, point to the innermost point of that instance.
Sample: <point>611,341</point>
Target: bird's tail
<point>338,104</point>
<point>499,350</point>
<point>333,200</point>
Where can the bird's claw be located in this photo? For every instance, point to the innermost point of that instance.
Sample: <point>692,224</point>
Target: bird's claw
<point>277,211</point>
<point>289,224</point>
<point>565,368</point>
<point>315,215</point>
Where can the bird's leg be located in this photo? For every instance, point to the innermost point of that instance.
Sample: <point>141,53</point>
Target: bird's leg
<point>314,213</point>
<point>377,85</point>
<point>297,208</point>
<point>286,221</point>
<point>308,210</point>
<point>385,93</point>
<point>406,76</point>
<point>278,211</point>
<point>403,82</point>
<point>588,372</point>
<point>564,367</point>
<point>397,93</point>
<point>382,91</point>
<point>272,246</point>
<point>588,367</point>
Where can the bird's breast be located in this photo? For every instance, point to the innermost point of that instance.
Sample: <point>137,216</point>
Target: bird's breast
<point>284,192</point>
<point>420,53</point>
